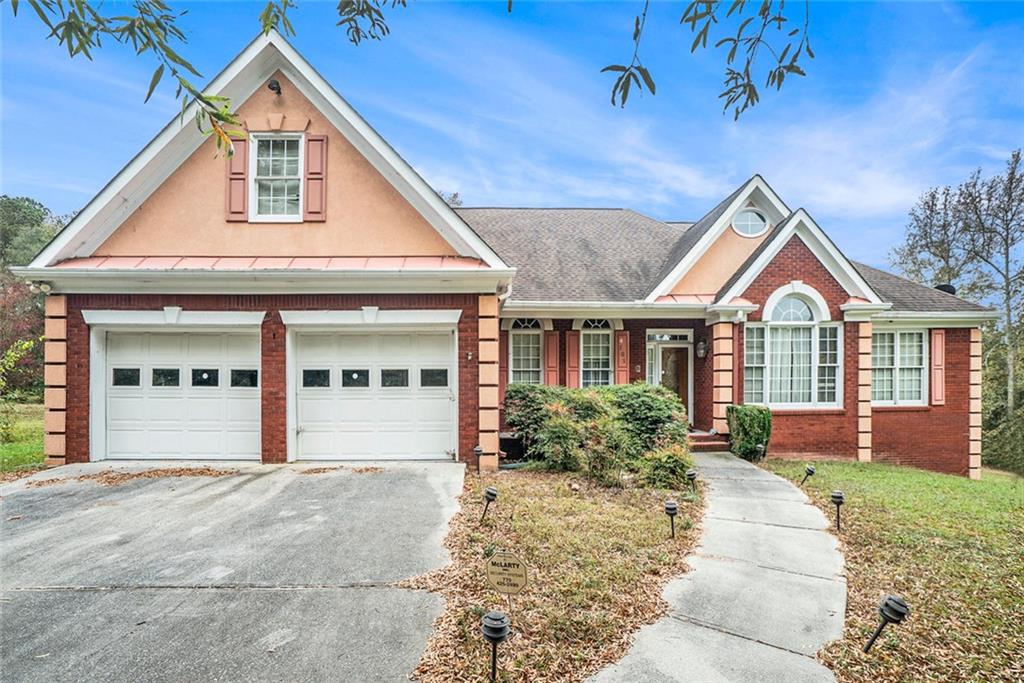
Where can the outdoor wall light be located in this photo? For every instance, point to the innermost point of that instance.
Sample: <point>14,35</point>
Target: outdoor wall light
<point>490,495</point>
<point>672,509</point>
<point>808,472</point>
<point>702,348</point>
<point>496,627</point>
<point>274,86</point>
<point>893,609</point>
<point>691,475</point>
<point>838,499</point>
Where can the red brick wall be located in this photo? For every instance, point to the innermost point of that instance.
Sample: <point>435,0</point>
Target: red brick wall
<point>932,437</point>
<point>273,362</point>
<point>815,432</point>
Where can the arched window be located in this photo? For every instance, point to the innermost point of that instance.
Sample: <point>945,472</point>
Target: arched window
<point>793,358</point>
<point>525,350</point>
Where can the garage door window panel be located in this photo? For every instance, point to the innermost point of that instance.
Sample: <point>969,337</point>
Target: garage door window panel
<point>166,377</point>
<point>394,378</point>
<point>205,377</point>
<point>431,378</point>
<point>316,378</point>
<point>126,377</point>
<point>355,378</point>
<point>244,379</point>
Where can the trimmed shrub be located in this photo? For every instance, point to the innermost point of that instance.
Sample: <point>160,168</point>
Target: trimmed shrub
<point>605,447</point>
<point>527,407</point>
<point>665,468</point>
<point>560,440</point>
<point>1004,445</point>
<point>646,412</point>
<point>750,428</point>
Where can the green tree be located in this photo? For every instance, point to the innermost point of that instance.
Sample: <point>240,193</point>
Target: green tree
<point>759,41</point>
<point>25,228</point>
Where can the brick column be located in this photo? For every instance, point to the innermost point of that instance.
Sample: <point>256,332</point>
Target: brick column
<point>487,358</point>
<point>722,358</point>
<point>974,445</point>
<point>864,392</point>
<point>55,356</point>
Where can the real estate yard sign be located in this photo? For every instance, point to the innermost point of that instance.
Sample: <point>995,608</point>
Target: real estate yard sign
<point>506,573</point>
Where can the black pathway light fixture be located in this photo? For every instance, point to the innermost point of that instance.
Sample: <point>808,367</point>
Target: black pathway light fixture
<point>672,509</point>
<point>490,495</point>
<point>691,475</point>
<point>893,609</point>
<point>838,499</point>
<point>496,627</point>
<point>808,472</point>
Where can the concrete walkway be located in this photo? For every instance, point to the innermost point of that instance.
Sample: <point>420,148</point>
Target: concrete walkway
<point>765,591</point>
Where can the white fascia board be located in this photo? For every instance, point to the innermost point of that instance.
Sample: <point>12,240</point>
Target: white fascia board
<point>172,317</point>
<point>802,225</point>
<point>862,312</point>
<point>757,183</point>
<point>179,139</point>
<point>604,309</point>
<point>933,319</point>
<point>372,316</point>
<point>92,280</point>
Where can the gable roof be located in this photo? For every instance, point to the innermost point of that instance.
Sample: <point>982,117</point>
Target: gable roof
<point>907,295</point>
<point>179,139</point>
<point>576,254</point>
<point>754,255</point>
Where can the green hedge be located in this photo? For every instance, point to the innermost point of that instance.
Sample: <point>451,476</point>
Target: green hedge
<point>750,429</point>
<point>601,430</point>
<point>1004,445</point>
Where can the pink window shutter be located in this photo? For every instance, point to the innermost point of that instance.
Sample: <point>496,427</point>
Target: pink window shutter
<point>551,358</point>
<point>622,357</point>
<point>572,358</point>
<point>502,365</point>
<point>316,179</point>
<point>938,363</point>
<point>237,183</point>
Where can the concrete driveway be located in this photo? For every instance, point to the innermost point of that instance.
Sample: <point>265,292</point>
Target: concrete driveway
<point>264,575</point>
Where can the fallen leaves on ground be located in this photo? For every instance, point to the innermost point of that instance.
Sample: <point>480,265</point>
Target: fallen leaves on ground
<point>8,477</point>
<point>369,469</point>
<point>951,547</point>
<point>598,559</point>
<point>118,477</point>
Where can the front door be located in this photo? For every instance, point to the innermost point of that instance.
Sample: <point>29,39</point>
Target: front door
<point>675,368</point>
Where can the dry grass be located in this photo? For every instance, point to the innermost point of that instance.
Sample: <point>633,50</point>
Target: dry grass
<point>951,547</point>
<point>118,477</point>
<point>598,560</point>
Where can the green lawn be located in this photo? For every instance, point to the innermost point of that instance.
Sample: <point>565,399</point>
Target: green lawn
<point>26,451</point>
<point>951,547</point>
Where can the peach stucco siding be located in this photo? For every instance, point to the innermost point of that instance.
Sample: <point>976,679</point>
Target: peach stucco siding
<point>719,262</point>
<point>366,216</point>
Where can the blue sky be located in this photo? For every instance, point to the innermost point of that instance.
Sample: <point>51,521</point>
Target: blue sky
<point>511,110</point>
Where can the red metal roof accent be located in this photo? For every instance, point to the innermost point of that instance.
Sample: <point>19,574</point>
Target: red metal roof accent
<point>272,263</point>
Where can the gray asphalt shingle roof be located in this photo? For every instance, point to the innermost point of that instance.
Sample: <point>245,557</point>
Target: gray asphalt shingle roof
<point>621,255</point>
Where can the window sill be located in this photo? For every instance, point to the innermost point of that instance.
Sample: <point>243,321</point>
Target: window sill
<point>808,411</point>
<point>900,409</point>
<point>276,219</point>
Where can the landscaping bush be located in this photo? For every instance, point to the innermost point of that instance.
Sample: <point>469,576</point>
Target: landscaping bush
<point>750,428</point>
<point>600,431</point>
<point>1004,445</point>
<point>665,468</point>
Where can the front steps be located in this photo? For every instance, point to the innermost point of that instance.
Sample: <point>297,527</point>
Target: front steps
<point>706,442</point>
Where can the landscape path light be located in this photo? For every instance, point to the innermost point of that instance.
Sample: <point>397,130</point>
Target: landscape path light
<point>496,627</point>
<point>893,609</point>
<point>490,495</point>
<point>672,509</point>
<point>691,475</point>
<point>808,472</point>
<point>838,499</point>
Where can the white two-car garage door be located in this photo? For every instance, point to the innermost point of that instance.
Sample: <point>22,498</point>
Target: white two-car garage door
<point>374,396</point>
<point>183,395</point>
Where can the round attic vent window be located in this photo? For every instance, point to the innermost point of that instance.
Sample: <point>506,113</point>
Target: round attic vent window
<point>749,223</point>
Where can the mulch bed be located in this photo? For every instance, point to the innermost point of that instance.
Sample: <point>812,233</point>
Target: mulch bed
<point>599,559</point>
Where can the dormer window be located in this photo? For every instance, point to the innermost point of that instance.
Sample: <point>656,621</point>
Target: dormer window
<point>750,223</point>
<point>277,178</point>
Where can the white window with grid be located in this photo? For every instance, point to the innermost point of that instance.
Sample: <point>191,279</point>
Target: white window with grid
<point>792,361</point>
<point>596,353</point>
<point>898,361</point>
<point>277,178</point>
<point>525,339</point>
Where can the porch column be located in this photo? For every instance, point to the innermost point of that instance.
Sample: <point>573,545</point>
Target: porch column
<point>55,356</point>
<point>864,392</point>
<point>974,408</point>
<point>487,359</point>
<point>722,359</point>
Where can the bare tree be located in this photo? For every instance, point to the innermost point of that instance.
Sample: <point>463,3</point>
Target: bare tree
<point>992,211</point>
